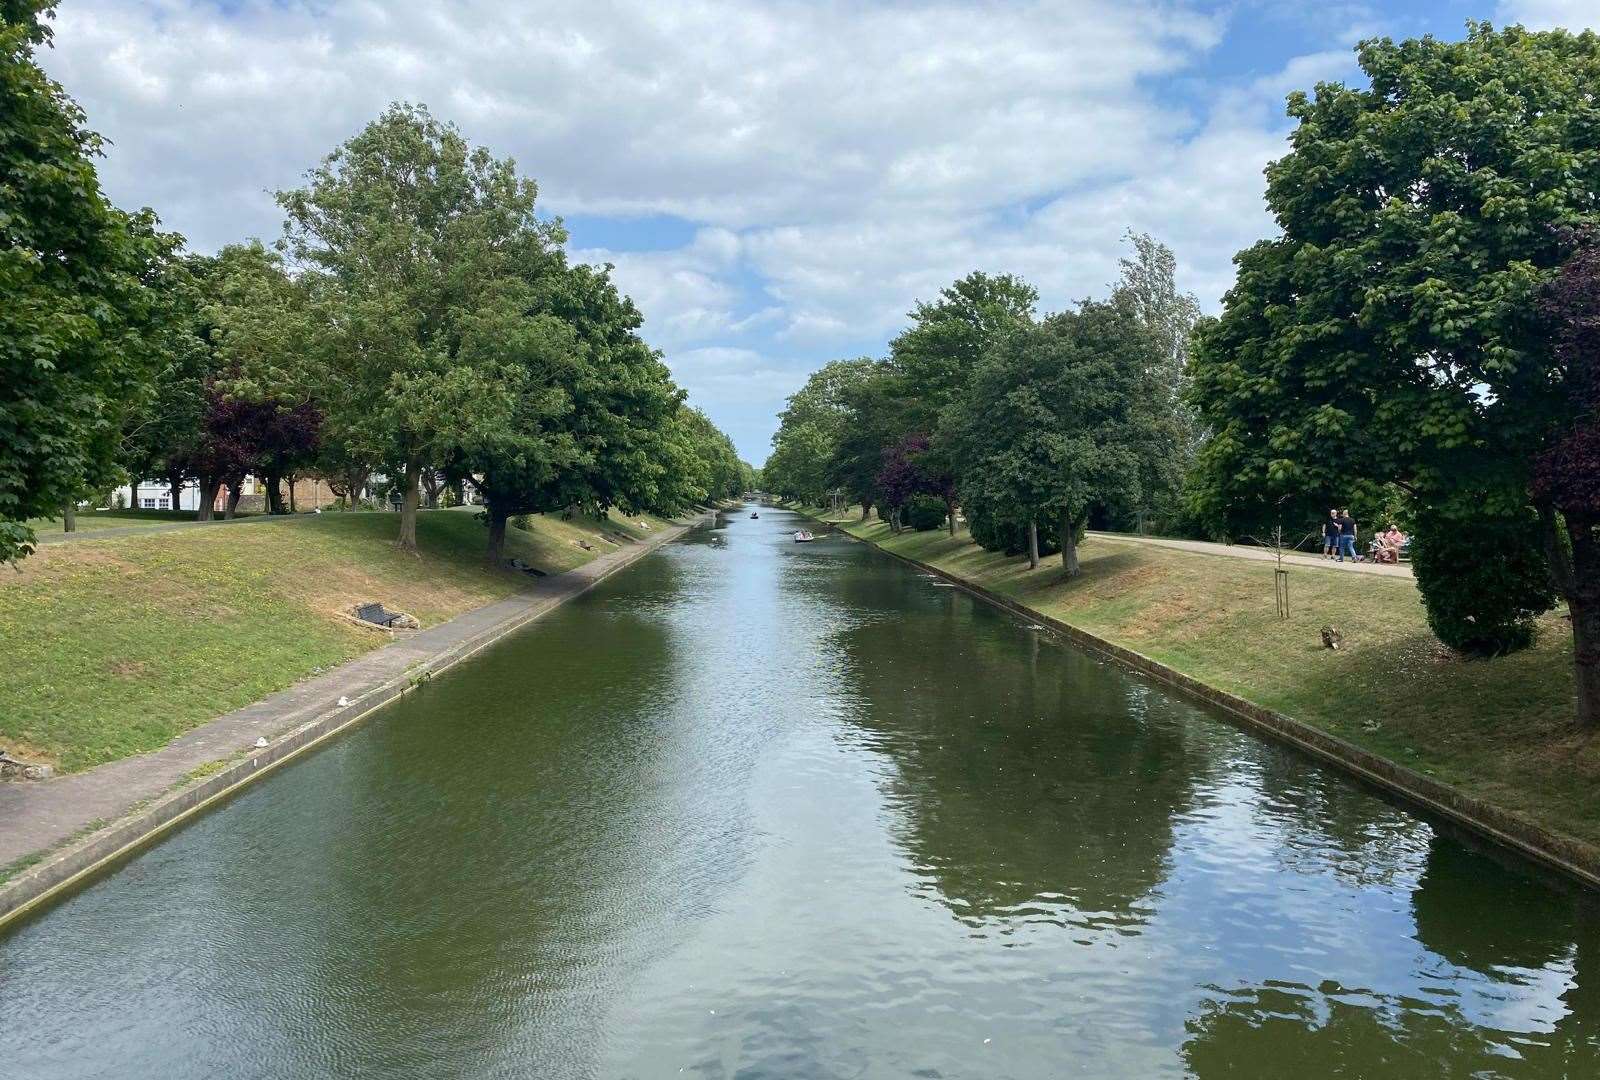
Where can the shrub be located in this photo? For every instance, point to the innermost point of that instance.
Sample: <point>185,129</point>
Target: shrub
<point>1011,538</point>
<point>1483,576</point>
<point>924,512</point>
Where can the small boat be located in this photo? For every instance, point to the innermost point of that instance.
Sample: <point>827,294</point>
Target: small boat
<point>803,537</point>
<point>755,515</point>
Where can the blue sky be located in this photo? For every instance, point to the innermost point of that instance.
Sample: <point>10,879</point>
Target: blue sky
<point>776,182</point>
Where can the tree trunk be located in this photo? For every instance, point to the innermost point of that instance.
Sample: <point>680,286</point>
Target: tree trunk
<point>497,535</point>
<point>1586,660</point>
<point>133,494</point>
<point>176,484</point>
<point>1583,601</point>
<point>69,516</point>
<point>1577,577</point>
<point>355,482</point>
<point>208,497</point>
<point>950,510</point>
<point>866,511</point>
<point>1033,544</point>
<point>408,507</point>
<point>430,488</point>
<point>274,494</point>
<point>292,508</point>
<point>235,489</point>
<point>1069,545</point>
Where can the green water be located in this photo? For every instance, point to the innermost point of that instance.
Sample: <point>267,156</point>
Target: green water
<point>763,810</point>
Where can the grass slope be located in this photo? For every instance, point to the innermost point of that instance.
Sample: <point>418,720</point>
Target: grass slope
<point>115,646</point>
<point>89,520</point>
<point>1501,729</point>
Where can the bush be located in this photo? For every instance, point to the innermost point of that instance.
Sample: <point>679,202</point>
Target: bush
<point>1483,576</point>
<point>925,512</point>
<point>1008,537</point>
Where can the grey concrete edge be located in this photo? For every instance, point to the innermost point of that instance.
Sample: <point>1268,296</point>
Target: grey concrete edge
<point>61,870</point>
<point>1577,859</point>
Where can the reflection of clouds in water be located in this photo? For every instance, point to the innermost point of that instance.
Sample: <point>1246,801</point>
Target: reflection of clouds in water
<point>761,809</point>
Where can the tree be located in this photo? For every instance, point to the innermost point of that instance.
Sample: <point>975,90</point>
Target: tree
<point>594,419</point>
<point>934,358</point>
<point>1148,287</point>
<point>1054,420</point>
<point>1392,332</point>
<point>813,422</point>
<point>162,418</point>
<point>410,227</point>
<point>1566,473</point>
<point>80,325</point>
<point>905,477</point>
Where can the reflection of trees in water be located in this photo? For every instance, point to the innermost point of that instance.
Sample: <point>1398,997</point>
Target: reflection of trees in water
<point>1286,1029</point>
<point>1328,823</point>
<point>1501,933</point>
<point>1032,782</point>
<point>1502,920</point>
<point>475,854</point>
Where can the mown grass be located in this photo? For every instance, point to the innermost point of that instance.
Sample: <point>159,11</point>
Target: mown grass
<point>1500,729</point>
<point>89,520</point>
<point>115,646</point>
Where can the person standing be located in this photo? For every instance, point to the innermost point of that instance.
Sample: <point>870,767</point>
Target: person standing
<point>1347,535</point>
<point>1330,535</point>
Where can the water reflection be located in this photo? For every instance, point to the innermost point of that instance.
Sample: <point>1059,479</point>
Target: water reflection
<point>756,809</point>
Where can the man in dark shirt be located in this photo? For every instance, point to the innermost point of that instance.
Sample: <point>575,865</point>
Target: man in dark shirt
<point>1330,535</point>
<point>1347,535</point>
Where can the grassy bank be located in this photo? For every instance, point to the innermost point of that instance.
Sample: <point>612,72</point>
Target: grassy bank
<point>115,646</point>
<point>90,520</point>
<point>1499,729</point>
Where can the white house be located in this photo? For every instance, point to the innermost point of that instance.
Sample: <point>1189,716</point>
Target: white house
<point>157,495</point>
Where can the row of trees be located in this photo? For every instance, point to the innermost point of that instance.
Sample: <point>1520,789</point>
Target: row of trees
<point>1029,424</point>
<point>417,318</point>
<point>1423,335</point>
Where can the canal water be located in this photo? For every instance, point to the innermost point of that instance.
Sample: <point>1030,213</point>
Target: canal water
<point>757,809</point>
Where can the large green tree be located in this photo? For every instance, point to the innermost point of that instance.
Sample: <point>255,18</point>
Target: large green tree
<point>81,326</point>
<point>412,230</point>
<point>810,427</point>
<point>1391,332</point>
<point>1056,420</point>
<point>1148,287</point>
<point>934,358</point>
<point>594,413</point>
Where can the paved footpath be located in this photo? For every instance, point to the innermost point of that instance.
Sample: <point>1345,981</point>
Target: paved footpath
<point>1240,551</point>
<point>37,815</point>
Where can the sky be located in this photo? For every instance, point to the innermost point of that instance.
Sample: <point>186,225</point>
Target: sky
<point>777,183</point>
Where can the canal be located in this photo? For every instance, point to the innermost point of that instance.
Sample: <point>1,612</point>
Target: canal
<point>756,809</point>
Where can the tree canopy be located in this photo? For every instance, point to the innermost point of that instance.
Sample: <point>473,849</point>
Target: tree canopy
<point>82,321</point>
<point>1392,332</point>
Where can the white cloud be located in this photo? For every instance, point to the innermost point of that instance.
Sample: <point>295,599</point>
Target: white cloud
<point>728,114</point>
<point>839,160</point>
<point>1547,14</point>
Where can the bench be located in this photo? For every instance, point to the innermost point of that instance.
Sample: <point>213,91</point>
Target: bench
<point>375,614</point>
